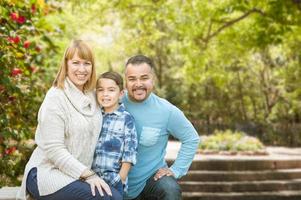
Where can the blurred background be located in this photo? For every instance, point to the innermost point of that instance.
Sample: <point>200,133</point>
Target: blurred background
<point>228,64</point>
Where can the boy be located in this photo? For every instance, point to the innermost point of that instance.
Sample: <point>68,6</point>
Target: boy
<point>116,148</point>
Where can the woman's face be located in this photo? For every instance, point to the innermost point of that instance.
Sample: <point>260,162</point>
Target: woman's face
<point>79,71</point>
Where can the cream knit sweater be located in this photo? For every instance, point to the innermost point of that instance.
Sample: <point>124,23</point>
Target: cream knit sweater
<point>69,123</point>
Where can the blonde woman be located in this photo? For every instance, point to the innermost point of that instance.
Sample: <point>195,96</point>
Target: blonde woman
<point>69,122</point>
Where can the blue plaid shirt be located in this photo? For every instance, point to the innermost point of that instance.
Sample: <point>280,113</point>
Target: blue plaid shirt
<point>117,143</point>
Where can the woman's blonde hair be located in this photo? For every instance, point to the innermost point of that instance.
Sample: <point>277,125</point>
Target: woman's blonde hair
<point>84,52</point>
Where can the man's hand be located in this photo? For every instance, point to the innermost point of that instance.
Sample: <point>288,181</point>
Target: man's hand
<point>163,172</point>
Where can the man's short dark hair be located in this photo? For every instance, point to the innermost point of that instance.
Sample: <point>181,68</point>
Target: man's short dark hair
<point>116,77</point>
<point>140,59</point>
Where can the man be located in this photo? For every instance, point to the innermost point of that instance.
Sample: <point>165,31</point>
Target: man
<point>155,118</point>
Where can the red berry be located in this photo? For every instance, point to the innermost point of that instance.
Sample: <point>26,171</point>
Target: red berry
<point>10,150</point>
<point>33,69</point>
<point>38,48</point>
<point>21,19</point>
<point>14,16</point>
<point>11,98</point>
<point>26,44</point>
<point>15,40</point>
<point>16,72</point>
<point>33,8</point>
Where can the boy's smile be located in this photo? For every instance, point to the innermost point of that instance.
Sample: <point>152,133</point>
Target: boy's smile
<point>108,94</point>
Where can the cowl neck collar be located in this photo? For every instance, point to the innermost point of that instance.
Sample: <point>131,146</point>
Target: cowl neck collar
<point>83,102</point>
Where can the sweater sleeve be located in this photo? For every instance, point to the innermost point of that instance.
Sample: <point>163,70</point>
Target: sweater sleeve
<point>51,137</point>
<point>180,127</point>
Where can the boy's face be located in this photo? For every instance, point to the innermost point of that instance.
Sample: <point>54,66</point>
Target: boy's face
<point>108,94</point>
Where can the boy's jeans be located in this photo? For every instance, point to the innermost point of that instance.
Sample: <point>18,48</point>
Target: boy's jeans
<point>119,187</point>
<point>166,188</point>
<point>77,190</point>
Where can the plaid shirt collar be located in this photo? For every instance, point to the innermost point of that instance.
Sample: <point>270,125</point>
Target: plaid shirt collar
<point>117,112</point>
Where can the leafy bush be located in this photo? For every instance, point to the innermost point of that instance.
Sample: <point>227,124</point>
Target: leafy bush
<point>25,45</point>
<point>230,141</point>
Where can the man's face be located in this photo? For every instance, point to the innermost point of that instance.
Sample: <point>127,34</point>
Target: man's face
<point>139,81</point>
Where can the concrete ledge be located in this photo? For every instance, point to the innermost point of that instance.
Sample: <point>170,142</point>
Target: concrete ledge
<point>8,193</point>
<point>281,195</point>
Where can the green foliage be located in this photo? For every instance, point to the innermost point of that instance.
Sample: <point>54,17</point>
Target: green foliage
<point>226,63</point>
<point>230,141</point>
<point>25,44</point>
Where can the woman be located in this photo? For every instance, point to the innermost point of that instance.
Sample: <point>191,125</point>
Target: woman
<point>69,123</point>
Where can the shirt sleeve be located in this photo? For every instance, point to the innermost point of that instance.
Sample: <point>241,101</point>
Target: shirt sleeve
<point>130,141</point>
<point>180,127</point>
<point>51,137</point>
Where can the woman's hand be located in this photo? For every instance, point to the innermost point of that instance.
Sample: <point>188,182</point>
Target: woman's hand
<point>100,184</point>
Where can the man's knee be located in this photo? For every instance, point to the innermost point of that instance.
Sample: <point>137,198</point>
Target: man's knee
<point>169,188</point>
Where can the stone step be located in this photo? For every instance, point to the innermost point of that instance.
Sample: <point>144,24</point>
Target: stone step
<point>281,195</point>
<point>241,186</point>
<point>245,164</point>
<point>8,193</point>
<point>205,175</point>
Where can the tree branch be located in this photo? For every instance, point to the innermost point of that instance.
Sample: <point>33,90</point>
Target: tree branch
<point>230,23</point>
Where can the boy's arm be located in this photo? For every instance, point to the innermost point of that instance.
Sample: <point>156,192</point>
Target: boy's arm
<point>125,168</point>
<point>130,148</point>
<point>130,141</point>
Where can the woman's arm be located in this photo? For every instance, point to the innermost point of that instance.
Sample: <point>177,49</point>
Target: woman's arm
<point>50,137</point>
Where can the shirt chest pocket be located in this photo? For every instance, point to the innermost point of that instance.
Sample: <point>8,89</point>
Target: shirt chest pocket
<point>149,136</point>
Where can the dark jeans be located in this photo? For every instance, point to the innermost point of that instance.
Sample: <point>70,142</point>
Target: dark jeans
<point>77,190</point>
<point>119,187</point>
<point>166,188</point>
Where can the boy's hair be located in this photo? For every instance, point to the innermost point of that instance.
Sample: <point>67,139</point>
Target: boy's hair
<point>139,59</point>
<point>116,77</point>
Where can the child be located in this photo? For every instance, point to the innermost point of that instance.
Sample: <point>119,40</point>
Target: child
<point>116,148</point>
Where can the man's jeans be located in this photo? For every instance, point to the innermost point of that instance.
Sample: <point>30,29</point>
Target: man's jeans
<point>77,190</point>
<point>166,188</point>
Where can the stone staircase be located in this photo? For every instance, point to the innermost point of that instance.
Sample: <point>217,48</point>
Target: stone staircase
<point>274,177</point>
<point>219,177</point>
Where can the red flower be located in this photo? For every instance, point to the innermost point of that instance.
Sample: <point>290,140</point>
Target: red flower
<point>11,98</point>
<point>21,19</point>
<point>38,48</point>
<point>15,40</point>
<point>16,72</point>
<point>33,69</point>
<point>14,16</point>
<point>17,18</point>
<point>33,8</point>
<point>26,44</point>
<point>10,150</point>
